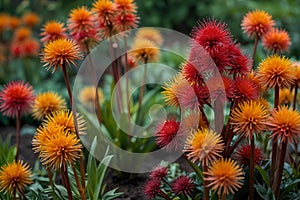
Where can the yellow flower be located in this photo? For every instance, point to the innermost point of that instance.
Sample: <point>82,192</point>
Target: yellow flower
<point>151,34</point>
<point>53,30</point>
<point>64,119</point>
<point>45,103</point>
<point>104,10</point>
<point>276,71</point>
<point>249,117</point>
<point>14,177</point>
<point>87,95</point>
<point>60,150</point>
<point>285,124</point>
<point>61,52</point>
<point>171,90</point>
<point>204,145</point>
<point>257,23</point>
<point>286,96</point>
<point>144,50</point>
<point>224,176</point>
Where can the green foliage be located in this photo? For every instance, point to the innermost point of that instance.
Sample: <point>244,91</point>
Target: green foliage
<point>7,152</point>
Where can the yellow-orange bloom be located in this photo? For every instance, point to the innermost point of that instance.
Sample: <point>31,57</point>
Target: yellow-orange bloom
<point>21,34</point>
<point>61,150</point>
<point>60,52</point>
<point>171,90</point>
<point>257,23</point>
<point>30,19</point>
<point>224,176</point>
<point>105,11</point>
<point>14,178</point>
<point>192,122</point>
<point>47,102</point>
<point>53,30</point>
<point>4,21</point>
<point>285,124</point>
<point>87,95</point>
<point>125,5</point>
<point>64,119</point>
<point>276,71</point>
<point>286,96</point>
<point>13,22</point>
<point>249,117</point>
<point>151,34</point>
<point>204,145</point>
<point>144,50</point>
<point>297,73</point>
<point>276,40</point>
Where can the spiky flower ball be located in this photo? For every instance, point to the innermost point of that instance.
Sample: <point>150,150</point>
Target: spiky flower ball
<point>166,133</point>
<point>276,71</point>
<point>286,96</point>
<point>159,172</point>
<point>257,23</point>
<point>53,30</point>
<point>16,98</point>
<point>243,155</point>
<point>204,145</point>
<point>224,176</point>
<point>183,184</point>
<point>15,177</point>
<point>47,102</point>
<point>144,50</point>
<point>152,188</point>
<point>285,124</point>
<point>151,34</point>
<point>276,40</point>
<point>87,95</point>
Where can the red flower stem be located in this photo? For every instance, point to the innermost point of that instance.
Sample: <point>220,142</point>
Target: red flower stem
<point>274,143</point>
<point>295,96</point>
<point>231,149</point>
<point>223,196</point>
<point>82,170</point>
<point>219,115</point>
<point>142,86</point>
<point>254,48</point>
<point>203,117</point>
<point>18,128</point>
<point>80,189</point>
<point>93,72</point>
<point>164,195</point>
<point>205,183</point>
<point>227,135</point>
<point>50,177</point>
<point>251,170</point>
<point>15,194</point>
<point>127,79</point>
<point>185,196</point>
<point>279,171</point>
<point>65,177</point>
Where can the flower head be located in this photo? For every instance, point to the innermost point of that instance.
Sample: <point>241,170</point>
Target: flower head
<point>125,21</point>
<point>243,155</point>
<point>53,30</point>
<point>211,35</point>
<point>82,27</point>
<point>166,132</point>
<point>276,40</point>
<point>286,96</point>
<point>224,176</point>
<point>26,48</point>
<point>220,88</point>
<point>30,19</point>
<point>127,6</point>
<point>249,117</point>
<point>45,103</point>
<point>159,172</point>
<point>276,71</point>
<point>204,145</point>
<point>285,124</point>
<point>297,73</point>
<point>152,188</point>
<point>16,98</point>
<point>151,34</point>
<point>64,119</point>
<point>183,184</point>
<point>14,177</point>
<point>240,64</point>
<point>60,52</point>
<point>104,10</point>
<point>87,95</point>
<point>61,150</point>
<point>144,50</point>
<point>21,34</point>
<point>245,89</point>
<point>257,23</point>
<point>13,23</point>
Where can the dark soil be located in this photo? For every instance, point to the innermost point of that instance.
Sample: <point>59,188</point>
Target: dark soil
<point>130,184</point>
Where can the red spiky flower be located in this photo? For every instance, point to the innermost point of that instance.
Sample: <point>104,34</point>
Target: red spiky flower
<point>243,155</point>
<point>159,172</point>
<point>211,35</point>
<point>183,184</point>
<point>152,188</point>
<point>16,98</point>
<point>246,89</point>
<point>166,133</point>
<point>239,64</point>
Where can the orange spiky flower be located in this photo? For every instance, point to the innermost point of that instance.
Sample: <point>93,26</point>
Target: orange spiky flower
<point>151,34</point>
<point>257,23</point>
<point>224,176</point>
<point>127,6</point>
<point>60,52</point>
<point>14,178</point>
<point>249,117</point>
<point>21,34</point>
<point>286,96</point>
<point>276,40</point>
<point>276,71</point>
<point>30,19</point>
<point>204,145</point>
<point>144,50</point>
<point>53,30</point>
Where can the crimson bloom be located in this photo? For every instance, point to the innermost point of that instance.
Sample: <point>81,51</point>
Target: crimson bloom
<point>159,172</point>
<point>243,155</point>
<point>16,98</point>
<point>166,133</point>
<point>152,188</point>
<point>183,184</point>
<point>246,89</point>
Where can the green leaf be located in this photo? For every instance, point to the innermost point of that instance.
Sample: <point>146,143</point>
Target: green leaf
<point>289,188</point>
<point>264,175</point>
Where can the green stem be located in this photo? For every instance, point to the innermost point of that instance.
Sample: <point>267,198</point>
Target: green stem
<point>254,49</point>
